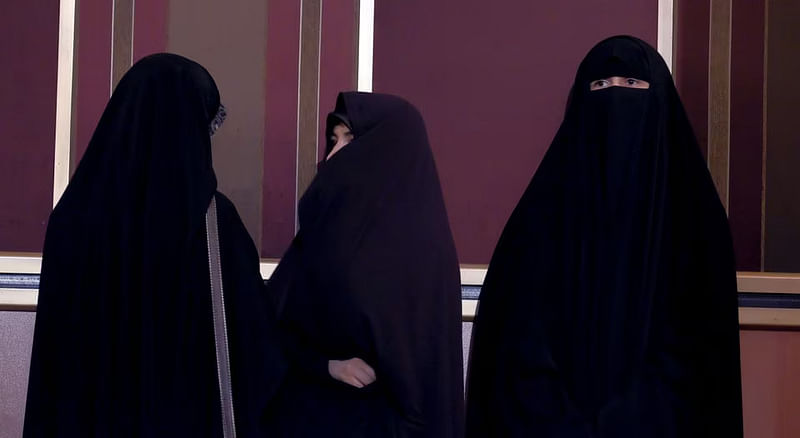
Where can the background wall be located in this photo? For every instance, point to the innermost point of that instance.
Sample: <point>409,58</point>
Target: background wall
<point>491,82</point>
<point>29,48</point>
<point>782,145</point>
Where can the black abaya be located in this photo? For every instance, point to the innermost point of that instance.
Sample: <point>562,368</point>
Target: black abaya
<point>372,274</point>
<point>609,308</point>
<point>124,343</point>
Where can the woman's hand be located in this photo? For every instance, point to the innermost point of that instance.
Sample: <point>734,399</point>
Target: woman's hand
<point>353,371</point>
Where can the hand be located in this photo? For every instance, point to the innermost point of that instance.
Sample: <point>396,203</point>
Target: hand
<point>353,371</point>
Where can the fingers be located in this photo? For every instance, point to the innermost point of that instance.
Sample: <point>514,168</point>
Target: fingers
<point>354,372</point>
<point>362,375</point>
<point>363,371</point>
<point>353,381</point>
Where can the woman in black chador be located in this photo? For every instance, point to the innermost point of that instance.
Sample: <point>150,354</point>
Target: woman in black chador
<point>368,294</point>
<point>609,308</point>
<point>124,343</point>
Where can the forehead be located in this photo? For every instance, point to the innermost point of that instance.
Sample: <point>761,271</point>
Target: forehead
<point>340,127</point>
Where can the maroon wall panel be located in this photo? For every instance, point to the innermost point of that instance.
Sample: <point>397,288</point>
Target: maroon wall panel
<point>337,56</point>
<point>150,27</point>
<point>691,63</point>
<point>28,77</point>
<point>280,135</point>
<point>491,80</point>
<point>93,70</point>
<point>747,121</point>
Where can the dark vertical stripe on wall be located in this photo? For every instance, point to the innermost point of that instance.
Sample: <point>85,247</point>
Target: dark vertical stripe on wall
<point>746,137</point>
<point>782,225</point>
<point>121,40</point>
<point>492,81</point>
<point>308,101</point>
<point>229,40</point>
<point>150,27</point>
<point>691,63</point>
<point>280,137</point>
<point>93,71</point>
<point>719,78</point>
<point>28,78</point>
<point>338,56</point>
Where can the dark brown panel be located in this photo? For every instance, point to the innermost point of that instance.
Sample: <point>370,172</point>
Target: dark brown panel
<point>691,63</point>
<point>719,75</point>
<point>746,137</point>
<point>121,40</point>
<point>308,114</point>
<point>230,42</point>
<point>491,81</point>
<point>782,226</point>
<point>28,76</point>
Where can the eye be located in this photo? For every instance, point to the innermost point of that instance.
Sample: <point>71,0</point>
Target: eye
<point>598,84</point>
<point>632,81</point>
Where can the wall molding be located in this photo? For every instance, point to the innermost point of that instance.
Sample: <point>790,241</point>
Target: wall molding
<point>366,40</point>
<point>67,20</point>
<point>666,31</point>
<point>767,300</point>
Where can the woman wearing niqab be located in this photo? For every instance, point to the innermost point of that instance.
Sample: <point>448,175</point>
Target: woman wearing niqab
<point>124,343</point>
<point>610,305</point>
<point>372,275</point>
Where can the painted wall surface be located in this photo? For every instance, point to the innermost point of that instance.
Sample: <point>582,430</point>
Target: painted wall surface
<point>491,81</point>
<point>29,49</point>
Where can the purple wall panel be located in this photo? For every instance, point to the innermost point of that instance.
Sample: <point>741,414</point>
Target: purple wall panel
<point>29,48</point>
<point>280,135</point>
<point>491,81</point>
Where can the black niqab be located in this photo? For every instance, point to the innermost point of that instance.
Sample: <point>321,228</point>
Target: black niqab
<point>373,274</point>
<point>609,308</point>
<point>124,343</point>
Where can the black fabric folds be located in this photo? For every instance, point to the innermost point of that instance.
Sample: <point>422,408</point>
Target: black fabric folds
<point>610,307</point>
<point>372,274</point>
<point>124,342</point>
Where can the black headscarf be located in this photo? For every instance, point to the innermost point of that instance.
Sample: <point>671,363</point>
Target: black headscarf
<point>609,308</point>
<point>373,274</point>
<point>124,343</point>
